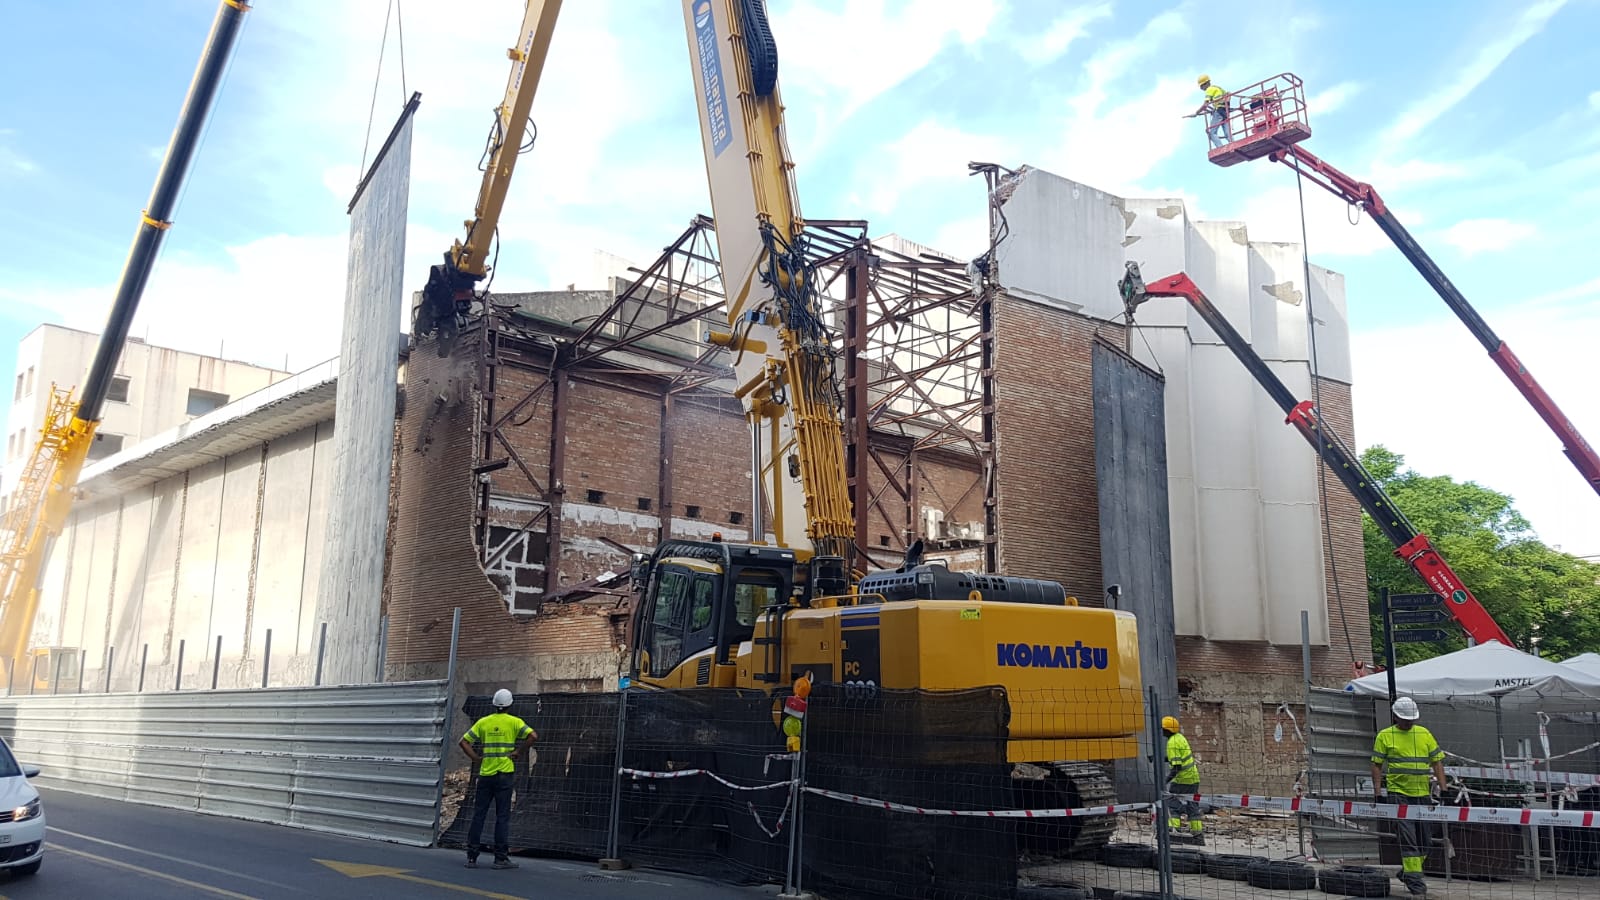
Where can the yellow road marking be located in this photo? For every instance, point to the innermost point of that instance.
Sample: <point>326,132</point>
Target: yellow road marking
<point>117,863</point>
<point>177,859</point>
<point>365,870</point>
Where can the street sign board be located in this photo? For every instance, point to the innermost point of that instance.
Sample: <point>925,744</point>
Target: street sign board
<point>1420,635</point>
<point>1420,616</point>
<point>1414,601</point>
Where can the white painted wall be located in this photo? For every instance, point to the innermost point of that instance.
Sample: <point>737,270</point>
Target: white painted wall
<point>219,550</point>
<point>1247,550</point>
<point>159,380</point>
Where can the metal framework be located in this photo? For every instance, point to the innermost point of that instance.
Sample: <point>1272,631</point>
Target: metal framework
<point>913,344</point>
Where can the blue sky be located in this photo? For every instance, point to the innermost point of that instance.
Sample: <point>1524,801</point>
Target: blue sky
<point>1479,121</point>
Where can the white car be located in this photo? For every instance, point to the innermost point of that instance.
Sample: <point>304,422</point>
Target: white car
<point>21,817</point>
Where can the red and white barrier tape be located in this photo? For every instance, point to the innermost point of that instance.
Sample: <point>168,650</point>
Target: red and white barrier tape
<point>1410,811</point>
<point>687,773</point>
<point>978,813</point>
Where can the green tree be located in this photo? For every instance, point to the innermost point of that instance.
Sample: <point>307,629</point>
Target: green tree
<point>1529,588</point>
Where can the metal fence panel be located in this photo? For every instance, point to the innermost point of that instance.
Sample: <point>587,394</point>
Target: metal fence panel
<point>1339,744</point>
<point>357,760</point>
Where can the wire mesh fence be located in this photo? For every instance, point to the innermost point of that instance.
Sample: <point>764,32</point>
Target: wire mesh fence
<point>981,794</point>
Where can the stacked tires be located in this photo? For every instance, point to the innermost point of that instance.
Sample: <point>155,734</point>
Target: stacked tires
<point>1355,881</point>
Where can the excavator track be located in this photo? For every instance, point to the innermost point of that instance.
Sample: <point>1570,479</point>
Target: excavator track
<point>1064,785</point>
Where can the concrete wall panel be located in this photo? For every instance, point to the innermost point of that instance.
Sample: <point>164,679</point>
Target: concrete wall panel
<point>197,564</point>
<point>1065,248</point>
<point>133,569</point>
<point>161,579</point>
<point>1230,551</point>
<point>232,600</point>
<point>350,587</point>
<point>318,494</point>
<point>285,501</point>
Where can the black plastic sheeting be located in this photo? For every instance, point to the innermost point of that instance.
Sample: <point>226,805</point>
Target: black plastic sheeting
<point>943,750</point>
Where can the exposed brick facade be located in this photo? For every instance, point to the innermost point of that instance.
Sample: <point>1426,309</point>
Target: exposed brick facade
<point>1047,508</point>
<point>1049,513</point>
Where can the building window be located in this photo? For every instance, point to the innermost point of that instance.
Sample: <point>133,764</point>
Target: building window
<point>692,512</point>
<point>736,517</point>
<point>595,496</point>
<point>644,504</point>
<point>118,392</point>
<point>27,389</point>
<point>202,402</point>
<point>105,445</point>
<point>18,394</point>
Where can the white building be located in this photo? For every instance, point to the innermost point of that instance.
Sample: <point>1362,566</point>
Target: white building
<point>154,389</point>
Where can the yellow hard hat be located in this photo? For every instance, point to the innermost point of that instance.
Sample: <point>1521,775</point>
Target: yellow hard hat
<point>1169,724</point>
<point>1204,80</point>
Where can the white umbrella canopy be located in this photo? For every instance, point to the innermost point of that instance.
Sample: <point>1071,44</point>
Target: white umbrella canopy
<point>1487,670</point>
<point>1588,663</point>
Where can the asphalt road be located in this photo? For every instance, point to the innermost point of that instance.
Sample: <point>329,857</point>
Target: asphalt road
<point>102,848</point>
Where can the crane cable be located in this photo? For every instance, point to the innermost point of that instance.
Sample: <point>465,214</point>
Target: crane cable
<point>377,77</point>
<point>1316,397</point>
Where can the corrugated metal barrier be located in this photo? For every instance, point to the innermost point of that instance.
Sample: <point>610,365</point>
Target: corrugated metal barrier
<point>361,761</point>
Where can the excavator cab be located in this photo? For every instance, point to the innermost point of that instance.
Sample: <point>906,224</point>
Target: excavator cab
<point>700,600</point>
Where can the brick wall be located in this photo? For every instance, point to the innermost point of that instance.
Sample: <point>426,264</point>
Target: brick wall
<point>1048,514</point>
<point>946,481</point>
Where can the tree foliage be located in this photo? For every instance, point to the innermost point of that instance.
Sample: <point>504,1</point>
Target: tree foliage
<point>1529,588</point>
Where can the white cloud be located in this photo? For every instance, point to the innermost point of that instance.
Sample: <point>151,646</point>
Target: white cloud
<point>15,163</point>
<point>1473,73</point>
<point>1507,447</point>
<point>1071,25</point>
<point>931,153</point>
<point>963,238</point>
<point>1388,176</point>
<point>1594,101</point>
<point>1472,236</point>
<point>1274,215</point>
<point>1334,98</point>
<point>856,50</point>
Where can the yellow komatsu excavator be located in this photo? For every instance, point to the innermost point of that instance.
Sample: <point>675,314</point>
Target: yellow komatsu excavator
<point>759,614</point>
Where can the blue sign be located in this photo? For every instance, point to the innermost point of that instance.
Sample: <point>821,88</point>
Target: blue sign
<point>1053,656</point>
<point>713,95</point>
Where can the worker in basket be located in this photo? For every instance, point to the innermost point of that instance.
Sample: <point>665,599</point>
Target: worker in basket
<point>1403,756</point>
<point>1183,778</point>
<point>1215,109</point>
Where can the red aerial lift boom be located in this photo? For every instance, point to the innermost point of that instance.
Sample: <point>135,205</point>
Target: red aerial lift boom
<point>1410,545</point>
<point>1269,119</point>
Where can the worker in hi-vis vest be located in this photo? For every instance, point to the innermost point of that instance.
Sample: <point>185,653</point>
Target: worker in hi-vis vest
<point>494,742</point>
<point>1403,756</point>
<point>1184,777</point>
<point>1215,109</point>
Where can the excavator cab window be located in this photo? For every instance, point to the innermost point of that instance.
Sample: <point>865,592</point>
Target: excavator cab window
<point>754,590</point>
<point>664,632</point>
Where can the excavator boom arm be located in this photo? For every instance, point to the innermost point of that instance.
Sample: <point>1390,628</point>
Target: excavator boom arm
<point>782,359</point>
<point>471,255</point>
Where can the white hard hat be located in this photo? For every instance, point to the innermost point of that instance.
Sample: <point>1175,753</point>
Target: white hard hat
<point>502,699</point>
<point>1406,708</point>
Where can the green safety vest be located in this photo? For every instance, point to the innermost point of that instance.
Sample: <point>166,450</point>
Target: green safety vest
<point>1407,757</point>
<point>1216,97</point>
<point>1181,758</point>
<point>496,736</point>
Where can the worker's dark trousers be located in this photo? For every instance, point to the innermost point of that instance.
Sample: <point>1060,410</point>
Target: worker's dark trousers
<point>1413,835</point>
<point>495,789</point>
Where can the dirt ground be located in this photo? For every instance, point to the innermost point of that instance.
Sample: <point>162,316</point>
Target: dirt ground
<point>1274,837</point>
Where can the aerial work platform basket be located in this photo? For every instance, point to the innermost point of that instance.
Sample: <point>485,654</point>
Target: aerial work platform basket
<point>1267,116</point>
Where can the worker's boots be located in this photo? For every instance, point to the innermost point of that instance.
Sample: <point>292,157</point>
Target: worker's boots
<point>504,862</point>
<point>1414,883</point>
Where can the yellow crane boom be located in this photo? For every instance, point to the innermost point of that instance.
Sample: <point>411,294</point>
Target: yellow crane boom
<point>45,492</point>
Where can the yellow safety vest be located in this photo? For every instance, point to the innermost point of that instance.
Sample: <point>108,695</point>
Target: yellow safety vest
<point>1180,757</point>
<point>1407,756</point>
<point>496,736</point>
<point>1215,96</point>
